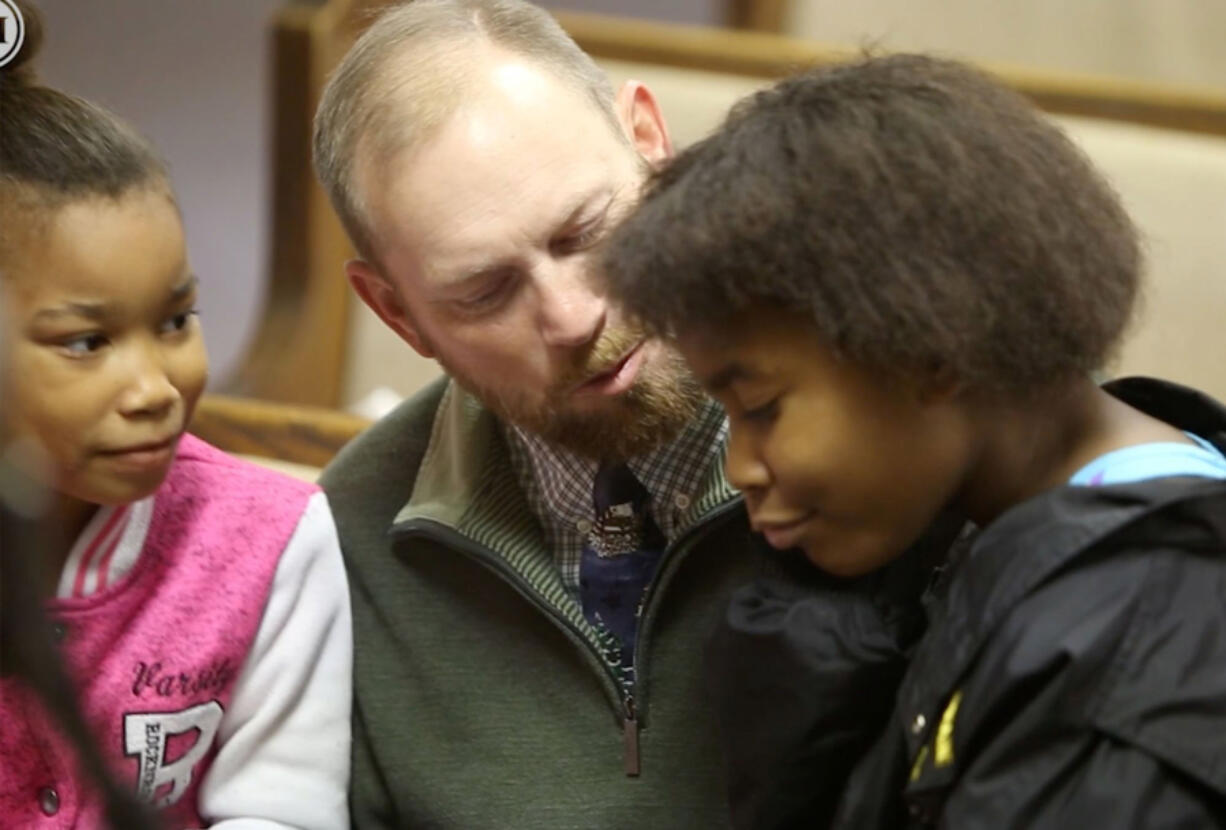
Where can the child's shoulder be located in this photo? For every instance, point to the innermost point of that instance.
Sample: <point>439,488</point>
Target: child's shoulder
<point>198,460</point>
<point>1128,641</point>
<point>1095,594</point>
<point>1136,555</point>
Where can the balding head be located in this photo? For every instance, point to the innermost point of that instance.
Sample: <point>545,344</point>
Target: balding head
<point>411,70</point>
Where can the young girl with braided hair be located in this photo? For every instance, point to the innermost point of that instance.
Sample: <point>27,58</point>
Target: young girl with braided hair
<point>198,603</point>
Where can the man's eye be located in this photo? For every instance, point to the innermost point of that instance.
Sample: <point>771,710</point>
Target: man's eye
<point>578,241</point>
<point>486,300</point>
<point>177,322</point>
<point>83,345</point>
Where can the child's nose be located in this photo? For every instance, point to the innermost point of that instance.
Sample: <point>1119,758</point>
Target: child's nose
<point>744,466</point>
<point>148,390</point>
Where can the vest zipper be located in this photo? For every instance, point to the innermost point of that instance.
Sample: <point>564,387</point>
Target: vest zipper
<point>631,739</point>
<point>669,566</point>
<point>447,535</point>
<point>622,694</point>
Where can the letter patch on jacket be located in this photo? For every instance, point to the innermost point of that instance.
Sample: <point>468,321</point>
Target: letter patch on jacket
<point>149,736</point>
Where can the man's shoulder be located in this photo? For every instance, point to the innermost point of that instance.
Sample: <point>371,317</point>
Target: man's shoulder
<point>391,449</point>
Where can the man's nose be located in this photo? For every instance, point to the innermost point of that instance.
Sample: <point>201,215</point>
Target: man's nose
<point>148,390</point>
<point>571,312</point>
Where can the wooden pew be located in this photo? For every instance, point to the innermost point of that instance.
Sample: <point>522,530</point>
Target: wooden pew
<point>299,351</point>
<point>769,57</point>
<point>299,440</point>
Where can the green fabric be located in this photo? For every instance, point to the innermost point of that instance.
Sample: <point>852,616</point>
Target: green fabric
<point>481,696</point>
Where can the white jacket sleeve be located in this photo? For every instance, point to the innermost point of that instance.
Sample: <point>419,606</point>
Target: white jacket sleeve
<point>283,757</point>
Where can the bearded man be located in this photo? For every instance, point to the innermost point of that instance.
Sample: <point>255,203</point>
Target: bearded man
<point>539,544</point>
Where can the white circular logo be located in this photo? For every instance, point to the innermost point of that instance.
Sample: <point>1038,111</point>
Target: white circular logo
<point>12,31</point>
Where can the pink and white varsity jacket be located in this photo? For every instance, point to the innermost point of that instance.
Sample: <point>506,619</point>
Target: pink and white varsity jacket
<point>208,631</point>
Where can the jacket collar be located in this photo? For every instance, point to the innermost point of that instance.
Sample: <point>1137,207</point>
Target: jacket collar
<point>466,480</point>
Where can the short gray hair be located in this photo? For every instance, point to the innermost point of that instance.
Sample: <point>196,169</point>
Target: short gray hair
<point>404,77</point>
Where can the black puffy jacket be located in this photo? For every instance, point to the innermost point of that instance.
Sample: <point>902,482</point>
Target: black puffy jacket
<point>1072,673</point>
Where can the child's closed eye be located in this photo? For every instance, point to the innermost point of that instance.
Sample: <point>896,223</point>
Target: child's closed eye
<point>762,413</point>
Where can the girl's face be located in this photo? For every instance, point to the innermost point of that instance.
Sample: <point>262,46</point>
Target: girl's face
<point>105,360</point>
<point>831,458</point>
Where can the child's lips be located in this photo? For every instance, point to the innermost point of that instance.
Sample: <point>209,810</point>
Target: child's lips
<point>782,535</point>
<point>143,455</point>
<point>146,446</point>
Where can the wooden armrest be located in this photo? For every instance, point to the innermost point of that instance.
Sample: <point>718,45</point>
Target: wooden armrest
<point>286,432</point>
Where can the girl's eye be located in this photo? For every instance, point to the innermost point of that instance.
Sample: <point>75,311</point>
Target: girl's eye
<point>177,322</point>
<point>764,413</point>
<point>84,345</point>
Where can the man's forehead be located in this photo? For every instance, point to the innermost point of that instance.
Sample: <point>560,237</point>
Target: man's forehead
<point>519,84</point>
<point>494,227</point>
<point>520,97</point>
<point>496,90</point>
<point>487,179</point>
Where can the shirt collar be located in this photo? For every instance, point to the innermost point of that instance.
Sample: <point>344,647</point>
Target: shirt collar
<point>558,482</point>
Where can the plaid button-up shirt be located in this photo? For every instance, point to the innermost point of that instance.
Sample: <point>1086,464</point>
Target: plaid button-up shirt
<point>558,483</point>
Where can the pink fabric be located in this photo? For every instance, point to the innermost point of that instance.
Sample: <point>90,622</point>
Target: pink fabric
<point>156,655</point>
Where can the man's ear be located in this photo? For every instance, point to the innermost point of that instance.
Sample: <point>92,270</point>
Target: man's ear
<point>640,117</point>
<point>382,299</point>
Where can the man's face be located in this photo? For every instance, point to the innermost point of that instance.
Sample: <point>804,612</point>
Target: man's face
<point>486,238</point>
<point>104,356</point>
<point>847,465</point>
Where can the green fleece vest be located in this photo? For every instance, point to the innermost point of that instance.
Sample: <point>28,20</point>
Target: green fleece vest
<point>482,698</point>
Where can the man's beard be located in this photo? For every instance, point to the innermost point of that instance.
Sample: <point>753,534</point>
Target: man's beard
<point>665,398</point>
